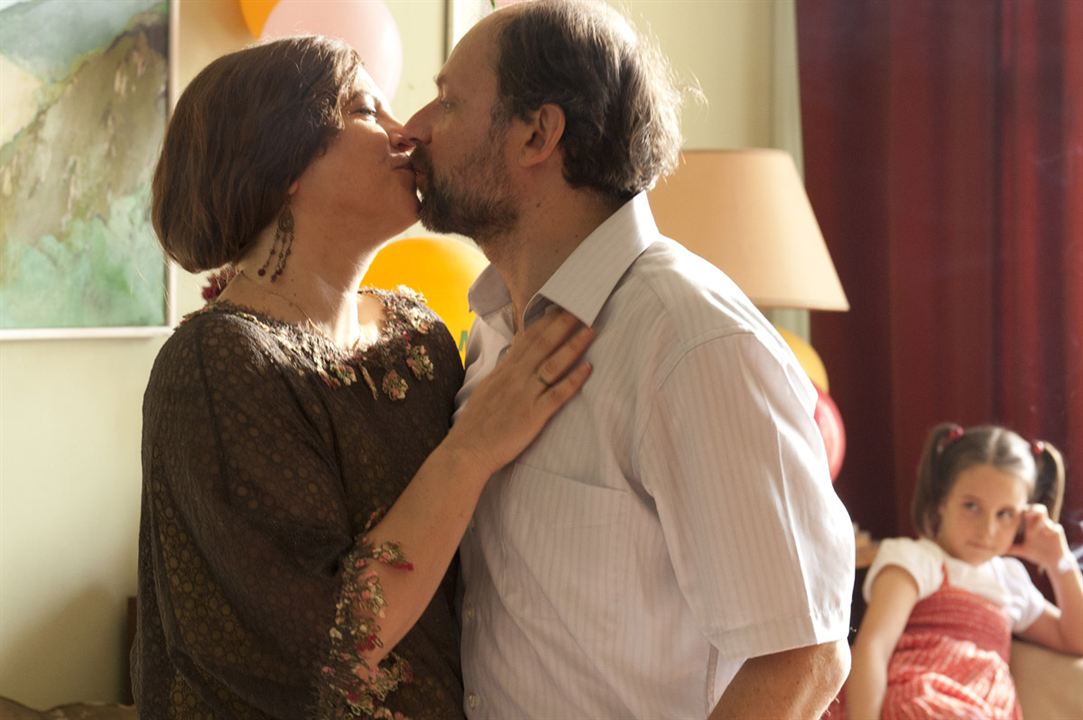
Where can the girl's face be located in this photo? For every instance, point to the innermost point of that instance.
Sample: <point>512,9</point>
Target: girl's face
<point>981,514</point>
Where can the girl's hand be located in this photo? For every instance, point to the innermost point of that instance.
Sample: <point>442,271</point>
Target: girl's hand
<point>1044,542</point>
<point>538,374</point>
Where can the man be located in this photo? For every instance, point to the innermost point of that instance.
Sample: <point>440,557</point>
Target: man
<point>670,546</point>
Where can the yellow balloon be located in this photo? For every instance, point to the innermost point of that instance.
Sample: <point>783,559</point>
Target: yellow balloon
<point>255,14</point>
<point>441,269</point>
<point>810,362</point>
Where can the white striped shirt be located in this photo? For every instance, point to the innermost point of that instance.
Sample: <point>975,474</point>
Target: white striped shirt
<point>676,518</point>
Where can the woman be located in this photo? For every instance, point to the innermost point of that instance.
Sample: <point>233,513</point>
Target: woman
<point>301,503</point>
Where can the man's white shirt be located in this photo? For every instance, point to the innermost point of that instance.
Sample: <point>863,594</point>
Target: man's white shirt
<point>674,519</point>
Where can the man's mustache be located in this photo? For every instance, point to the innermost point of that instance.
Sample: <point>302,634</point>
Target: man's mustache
<point>420,161</point>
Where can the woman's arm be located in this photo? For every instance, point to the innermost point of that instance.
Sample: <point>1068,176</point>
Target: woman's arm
<point>502,418</point>
<point>1060,626</point>
<point>894,594</point>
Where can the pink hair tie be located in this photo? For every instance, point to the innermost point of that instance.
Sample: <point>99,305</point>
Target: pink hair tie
<point>954,434</point>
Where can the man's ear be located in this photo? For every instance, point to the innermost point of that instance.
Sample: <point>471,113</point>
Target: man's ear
<point>545,130</point>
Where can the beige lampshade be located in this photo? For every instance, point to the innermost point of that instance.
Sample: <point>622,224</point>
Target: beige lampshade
<point>746,212</point>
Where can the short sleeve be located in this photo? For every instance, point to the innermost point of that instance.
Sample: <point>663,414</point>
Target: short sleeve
<point>913,556</point>
<point>1025,601</point>
<point>760,543</point>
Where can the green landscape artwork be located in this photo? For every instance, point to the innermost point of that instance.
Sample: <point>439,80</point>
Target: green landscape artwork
<point>84,92</point>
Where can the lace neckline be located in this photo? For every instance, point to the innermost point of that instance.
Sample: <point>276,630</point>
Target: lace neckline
<point>308,333</point>
<point>405,319</point>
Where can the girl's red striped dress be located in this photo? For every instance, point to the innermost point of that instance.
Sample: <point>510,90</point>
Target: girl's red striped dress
<point>951,661</point>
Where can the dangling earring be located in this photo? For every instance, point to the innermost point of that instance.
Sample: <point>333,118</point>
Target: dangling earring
<point>282,245</point>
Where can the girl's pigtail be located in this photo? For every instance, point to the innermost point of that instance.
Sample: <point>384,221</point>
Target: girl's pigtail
<point>923,509</point>
<point>1049,483</point>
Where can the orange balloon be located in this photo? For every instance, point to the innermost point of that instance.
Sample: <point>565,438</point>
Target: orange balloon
<point>807,357</point>
<point>441,269</point>
<point>255,14</point>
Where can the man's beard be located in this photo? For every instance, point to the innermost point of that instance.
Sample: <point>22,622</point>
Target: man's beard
<point>474,201</point>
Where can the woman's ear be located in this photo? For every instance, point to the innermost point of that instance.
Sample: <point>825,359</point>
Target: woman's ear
<point>545,129</point>
<point>292,189</point>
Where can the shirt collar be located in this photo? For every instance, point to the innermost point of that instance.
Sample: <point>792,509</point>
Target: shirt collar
<point>587,277</point>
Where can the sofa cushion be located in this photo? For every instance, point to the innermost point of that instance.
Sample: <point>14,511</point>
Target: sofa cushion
<point>1049,683</point>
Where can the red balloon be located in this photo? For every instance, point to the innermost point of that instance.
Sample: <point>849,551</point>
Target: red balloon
<point>834,433</point>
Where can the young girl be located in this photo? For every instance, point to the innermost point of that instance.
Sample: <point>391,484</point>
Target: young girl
<point>936,636</point>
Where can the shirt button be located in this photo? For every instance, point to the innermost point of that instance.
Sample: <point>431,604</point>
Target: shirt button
<point>468,613</point>
<point>472,701</point>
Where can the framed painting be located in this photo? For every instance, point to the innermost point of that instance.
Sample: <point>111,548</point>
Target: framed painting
<point>85,87</point>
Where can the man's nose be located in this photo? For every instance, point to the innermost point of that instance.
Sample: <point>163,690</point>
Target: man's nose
<point>418,129</point>
<point>399,138</point>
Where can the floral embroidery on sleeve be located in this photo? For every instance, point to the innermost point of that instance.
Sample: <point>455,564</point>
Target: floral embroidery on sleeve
<point>350,687</point>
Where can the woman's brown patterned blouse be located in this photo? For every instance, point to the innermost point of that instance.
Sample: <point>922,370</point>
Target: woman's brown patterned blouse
<point>266,453</point>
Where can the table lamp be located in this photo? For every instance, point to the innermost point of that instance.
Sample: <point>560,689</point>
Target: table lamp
<point>746,212</point>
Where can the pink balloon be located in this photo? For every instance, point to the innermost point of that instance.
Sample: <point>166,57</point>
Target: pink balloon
<point>367,25</point>
<point>829,421</point>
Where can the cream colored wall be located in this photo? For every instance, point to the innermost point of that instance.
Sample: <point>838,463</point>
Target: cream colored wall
<point>743,54</point>
<point>727,46</point>
<point>70,411</point>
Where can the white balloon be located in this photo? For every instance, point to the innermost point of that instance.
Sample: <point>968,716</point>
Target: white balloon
<point>367,25</point>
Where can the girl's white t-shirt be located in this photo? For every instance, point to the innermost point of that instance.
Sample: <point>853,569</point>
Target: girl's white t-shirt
<point>1003,580</point>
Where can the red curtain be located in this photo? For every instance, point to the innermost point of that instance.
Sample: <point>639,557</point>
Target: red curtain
<point>944,158</point>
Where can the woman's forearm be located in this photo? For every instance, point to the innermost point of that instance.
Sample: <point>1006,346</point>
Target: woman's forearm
<point>426,523</point>
<point>539,373</point>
